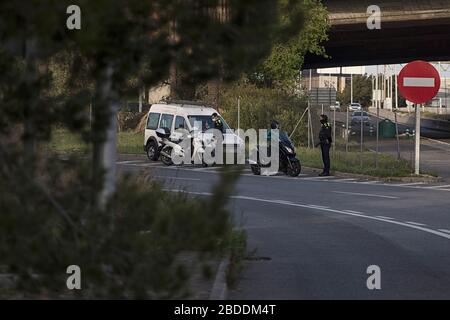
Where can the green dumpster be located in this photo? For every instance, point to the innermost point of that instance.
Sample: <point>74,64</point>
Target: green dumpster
<point>386,129</point>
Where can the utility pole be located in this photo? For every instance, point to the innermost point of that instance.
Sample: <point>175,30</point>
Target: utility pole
<point>140,100</point>
<point>351,88</point>
<point>239,113</point>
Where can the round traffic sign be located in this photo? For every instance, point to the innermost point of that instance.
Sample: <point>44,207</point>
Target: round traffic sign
<point>419,82</point>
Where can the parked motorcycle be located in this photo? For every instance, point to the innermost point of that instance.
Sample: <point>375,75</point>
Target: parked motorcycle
<point>288,162</point>
<point>170,145</point>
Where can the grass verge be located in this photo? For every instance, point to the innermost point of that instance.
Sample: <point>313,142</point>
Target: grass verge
<point>355,162</point>
<point>237,252</point>
<point>65,141</point>
<point>129,142</point>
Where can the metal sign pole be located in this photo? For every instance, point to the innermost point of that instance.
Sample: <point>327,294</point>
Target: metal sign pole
<point>312,131</point>
<point>334,130</point>
<point>417,147</point>
<point>347,134</point>
<point>309,105</point>
<point>309,132</point>
<point>378,137</point>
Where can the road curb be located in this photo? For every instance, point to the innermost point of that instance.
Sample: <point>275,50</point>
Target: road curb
<point>423,178</point>
<point>219,289</point>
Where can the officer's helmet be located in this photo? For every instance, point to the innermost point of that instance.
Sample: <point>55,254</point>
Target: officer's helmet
<point>274,125</point>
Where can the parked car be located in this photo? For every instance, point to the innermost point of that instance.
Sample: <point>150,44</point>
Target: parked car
<point>359,116</point>
<point>336,106</point>
<point>354,107</point>
<point>176,115</point>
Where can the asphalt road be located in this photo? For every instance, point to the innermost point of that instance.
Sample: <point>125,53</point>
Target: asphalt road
<point>314,238</point>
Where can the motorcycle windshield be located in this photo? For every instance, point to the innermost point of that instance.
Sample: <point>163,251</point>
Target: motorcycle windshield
<point>284,139</point>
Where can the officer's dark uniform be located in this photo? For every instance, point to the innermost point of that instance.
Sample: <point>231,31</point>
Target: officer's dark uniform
<point>325,144</point>
<point>218,124</point>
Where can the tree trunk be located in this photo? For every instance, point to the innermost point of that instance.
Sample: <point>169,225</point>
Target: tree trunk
<point>181,87</point>
<point>214,92</point>
<point>105,136</point>
<point>29,130</point>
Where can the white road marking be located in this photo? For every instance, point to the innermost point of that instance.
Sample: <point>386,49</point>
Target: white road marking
<point>437,187</point>
<point>407,184</point>
<point>352,211</point>
<point>418,82</point>
<point>416,227</point>
<point>205,168</point>
<point>415,185</point>
<point>444,230</point>
<point>284,202</point>
<point>383,217</point>
<point>366,194</point>
<point>370,182</point>
<point>129,161</point>
<point>415,223</point>
<point>175,178</point>
<point>318,178</point>
<point>143,164</point>
<point>313,205</point>
<point>438,141</point>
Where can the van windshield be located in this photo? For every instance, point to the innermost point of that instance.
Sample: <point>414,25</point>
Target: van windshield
<point>206,122</point>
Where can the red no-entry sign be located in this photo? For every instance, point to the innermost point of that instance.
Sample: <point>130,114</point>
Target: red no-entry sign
<point>419,82</point>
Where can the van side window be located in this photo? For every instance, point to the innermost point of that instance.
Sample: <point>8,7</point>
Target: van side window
<point>152,121</point>
<point>180,123</point>
<point>166,121</point>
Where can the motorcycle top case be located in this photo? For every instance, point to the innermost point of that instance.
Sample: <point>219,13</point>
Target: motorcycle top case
<point>163,133</point>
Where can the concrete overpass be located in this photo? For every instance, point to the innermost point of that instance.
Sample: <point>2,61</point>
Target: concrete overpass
<point>410,30</point>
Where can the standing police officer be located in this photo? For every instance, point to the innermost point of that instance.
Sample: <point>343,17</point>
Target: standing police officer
<point>218,124</point>
<point>325,144</point>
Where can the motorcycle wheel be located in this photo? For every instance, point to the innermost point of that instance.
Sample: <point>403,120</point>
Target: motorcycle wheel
<point>294,170</point>
<point>256,169</point>
<point>165,159</point>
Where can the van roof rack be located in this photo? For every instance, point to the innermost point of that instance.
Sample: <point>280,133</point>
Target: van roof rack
<point>185,102</point>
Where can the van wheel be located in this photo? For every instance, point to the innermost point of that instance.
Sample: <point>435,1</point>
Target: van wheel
<point>152,151</point>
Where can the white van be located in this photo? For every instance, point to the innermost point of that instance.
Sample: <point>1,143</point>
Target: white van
<point>175,115</point>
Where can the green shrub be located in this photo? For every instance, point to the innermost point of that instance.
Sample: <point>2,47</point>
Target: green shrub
<point>259,106</point>
<point>129,250</point>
